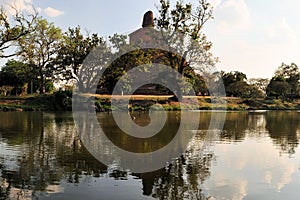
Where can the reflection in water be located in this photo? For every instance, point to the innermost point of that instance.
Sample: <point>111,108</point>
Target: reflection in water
<point>282,127</point>
<point>261,165</point>
<point>39,151</point>
<point>256,157</point>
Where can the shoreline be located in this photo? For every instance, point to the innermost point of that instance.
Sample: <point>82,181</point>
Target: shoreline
<point>62,102</point>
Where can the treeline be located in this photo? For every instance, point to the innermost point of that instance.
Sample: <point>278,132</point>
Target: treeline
<point>283,85</point>
<point>44,56</point>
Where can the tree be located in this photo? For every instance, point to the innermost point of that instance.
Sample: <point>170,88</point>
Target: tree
<point>72,50</point>
<point>235,84</point>
<point>255,91</point>
<point>189,21</point>
<point>123,62</point>
<point>181,29</point>
<point>278,87</point>
<point>260,83</point>
<point>12,29</point>
<point>291,75</point>
<point>39,49</point>
<point>197,81</point>
<point>238,89</point>
<point>15,74</point>
<point>232,77</point>
<point>285,82</point>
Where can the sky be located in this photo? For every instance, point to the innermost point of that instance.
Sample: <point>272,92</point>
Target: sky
<point>251,36</point>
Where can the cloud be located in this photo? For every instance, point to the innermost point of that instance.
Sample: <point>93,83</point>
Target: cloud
<point>27,5</point>
<point>235,187</point>
<point>214,3</point>
<point>256,49</point>
<point>52,12</point>
<point>20,5</point>
<point>232,15</point>
<point>281,32</point>
<point>231,180</point>
<point>39,9</point>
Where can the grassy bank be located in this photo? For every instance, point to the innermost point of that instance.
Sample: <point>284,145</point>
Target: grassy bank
<point>59,101</point>
<point>62,101</point>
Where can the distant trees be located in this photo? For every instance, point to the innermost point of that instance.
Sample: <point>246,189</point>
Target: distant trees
<point>200,86</point>
<point>290,74</point>
<point>278,87</point>
<point>260,83</point>
<point>236,85</point>
<point>17,75</point>
<point>285,82</point>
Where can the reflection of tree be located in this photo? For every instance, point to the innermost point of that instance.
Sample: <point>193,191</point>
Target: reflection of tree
<point>256,122</point>
<point>48,149</point>
<point>141,145</point>
<point>182,178</point>
<point>282,127</point>
<point>17,129</point>
<point>49,152</point>
<point>235,125</point>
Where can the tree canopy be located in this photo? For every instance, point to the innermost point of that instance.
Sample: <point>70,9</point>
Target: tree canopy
<point>13,28</point>
<point>15,74</point>
<point>285,82</point>
<point>39,49</point>
<point>72,50</point>
<point>180,21</point>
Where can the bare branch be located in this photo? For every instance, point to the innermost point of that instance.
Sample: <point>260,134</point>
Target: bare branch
<point>13,30</point>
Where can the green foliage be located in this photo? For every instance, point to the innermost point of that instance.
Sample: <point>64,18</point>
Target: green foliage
<point>238,89</point>
<point>120,66</point>
<point>260,83</point>
<point>63,100</point>
<point>39,49</point>
<point>188,20</point>
<point>51,54</point>
<point>72,50</point>
<point>285,82</point>
<point>15,74</point>
<point>278,87</point>
<point>291,75</point>
<point>255,91</point>
<point>49,86</point>
<point>232,77</point>
<point>235,85</point>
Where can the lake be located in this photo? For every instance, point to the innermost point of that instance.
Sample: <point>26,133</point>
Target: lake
<point>255,156</point>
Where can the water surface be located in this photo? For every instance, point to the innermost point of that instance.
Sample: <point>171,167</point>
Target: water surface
<point>256,156</point>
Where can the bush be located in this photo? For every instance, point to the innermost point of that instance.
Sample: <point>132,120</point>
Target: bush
<point>63,100</point>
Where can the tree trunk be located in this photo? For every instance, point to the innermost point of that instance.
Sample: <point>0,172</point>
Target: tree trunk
<point>42,83</point>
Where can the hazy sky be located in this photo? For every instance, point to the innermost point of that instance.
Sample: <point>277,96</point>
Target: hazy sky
<point>251,36</point>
